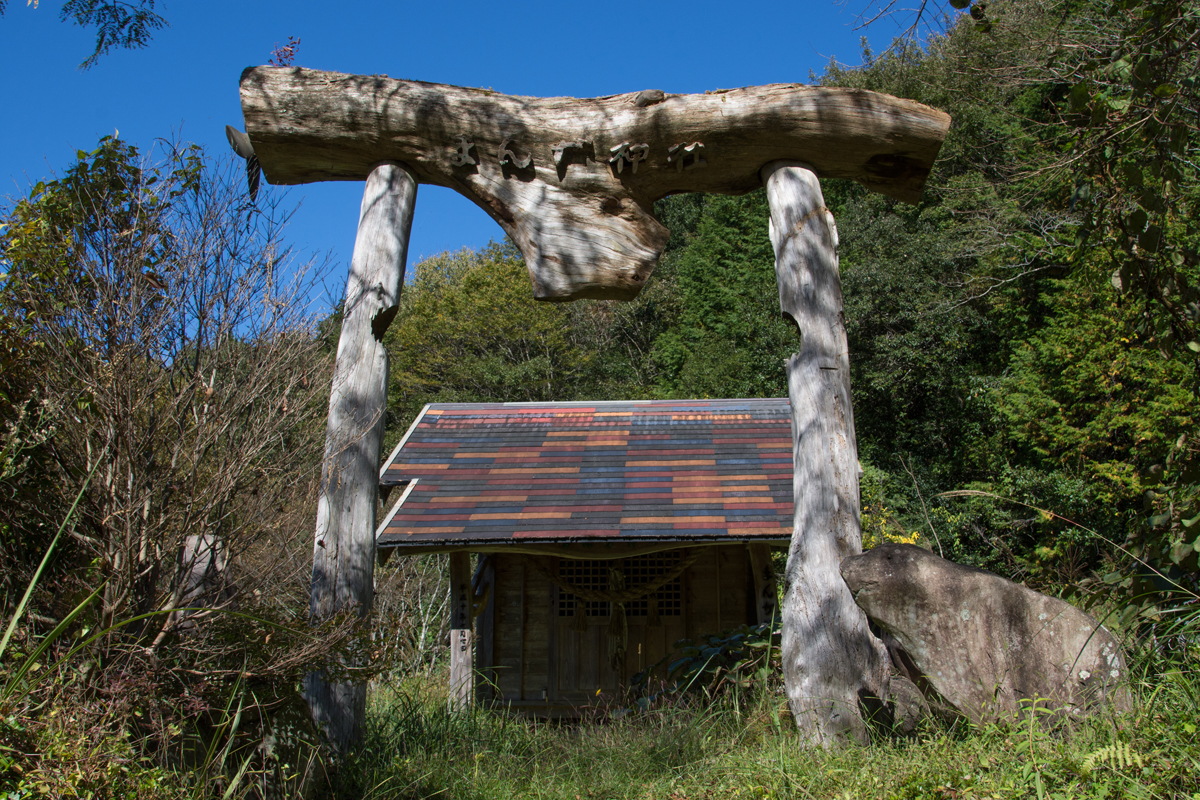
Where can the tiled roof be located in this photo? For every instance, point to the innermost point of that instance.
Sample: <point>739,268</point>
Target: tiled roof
<point>612,471</point>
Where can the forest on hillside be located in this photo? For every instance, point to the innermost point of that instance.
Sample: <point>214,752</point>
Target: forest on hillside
<point>1023,344</point>
<point>1015,339</point>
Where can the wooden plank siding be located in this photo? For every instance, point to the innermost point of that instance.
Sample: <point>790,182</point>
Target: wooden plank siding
<point>545,667</point>
<point>535,639</point>
<point>732,572</point>
<point>507,593</point>
<point>485,625</point>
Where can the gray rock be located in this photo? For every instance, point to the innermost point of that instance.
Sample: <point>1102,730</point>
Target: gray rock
<point>984,644</point>
<point>911,698</point>
<point>907,704</point>
<point>649,97</point>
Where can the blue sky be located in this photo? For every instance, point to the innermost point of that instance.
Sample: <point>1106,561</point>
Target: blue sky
<point>185,83</point>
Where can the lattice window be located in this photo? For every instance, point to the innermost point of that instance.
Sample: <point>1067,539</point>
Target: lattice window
<point>638,571</point>
<point>644,569</point>
<point>586,575</point>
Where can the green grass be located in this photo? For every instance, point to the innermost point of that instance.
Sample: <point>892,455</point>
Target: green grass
<point>735,747</point>
<point>416,748</point>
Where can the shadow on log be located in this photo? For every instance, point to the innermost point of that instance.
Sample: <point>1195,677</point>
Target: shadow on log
<point>581,209</point>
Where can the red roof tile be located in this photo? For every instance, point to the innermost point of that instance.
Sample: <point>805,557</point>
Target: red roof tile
<point>556,472</point>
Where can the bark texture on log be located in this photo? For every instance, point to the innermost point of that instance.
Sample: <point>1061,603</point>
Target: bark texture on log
<point>830,658</point>
<point>344,551</point>
<point>573,181</point>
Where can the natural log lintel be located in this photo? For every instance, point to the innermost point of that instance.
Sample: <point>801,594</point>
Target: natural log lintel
<point>573,181</point>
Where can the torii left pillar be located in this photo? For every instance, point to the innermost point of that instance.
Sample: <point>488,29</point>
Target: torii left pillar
<point>344,551</point>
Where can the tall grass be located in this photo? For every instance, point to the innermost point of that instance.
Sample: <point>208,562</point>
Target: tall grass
<point>54,743</point>
<point>731,748</point>
<point>742,744</point>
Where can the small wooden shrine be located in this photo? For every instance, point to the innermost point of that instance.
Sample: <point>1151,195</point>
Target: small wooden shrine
<point>604,533</point>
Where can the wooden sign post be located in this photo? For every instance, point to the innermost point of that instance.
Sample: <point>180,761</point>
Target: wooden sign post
<point>574,181</point>
<point>462,680</point>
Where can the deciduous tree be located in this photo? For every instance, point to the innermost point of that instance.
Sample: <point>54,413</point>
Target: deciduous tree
<point>118,23</point>
<point>170,328</point>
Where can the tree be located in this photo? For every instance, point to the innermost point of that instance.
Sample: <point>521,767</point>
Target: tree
<point>469,330</point>
<point>1086,188</point>
<point>118,23</point>
<point>167,322</point>
<point>1134,101</point>
<point>728,338</point>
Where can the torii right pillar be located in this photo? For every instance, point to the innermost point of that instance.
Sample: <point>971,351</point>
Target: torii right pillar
<point>830,659</point>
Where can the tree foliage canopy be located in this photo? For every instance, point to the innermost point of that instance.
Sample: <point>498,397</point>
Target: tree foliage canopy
<point>118,23</point>
<point>1022,332</point>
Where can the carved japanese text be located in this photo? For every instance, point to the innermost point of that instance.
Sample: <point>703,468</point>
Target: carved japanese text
<point>628,153</point>
<point>560,150</point>
<point>462,153</point>
<point>508,156</point>
<point>686,156</point>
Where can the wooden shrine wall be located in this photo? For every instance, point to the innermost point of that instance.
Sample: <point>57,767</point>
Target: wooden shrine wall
<point>541,665</point>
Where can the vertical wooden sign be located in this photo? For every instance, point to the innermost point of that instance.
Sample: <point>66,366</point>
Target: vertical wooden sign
<point>461,638</point>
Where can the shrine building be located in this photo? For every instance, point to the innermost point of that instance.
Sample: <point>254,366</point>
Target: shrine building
<point>587,538</point>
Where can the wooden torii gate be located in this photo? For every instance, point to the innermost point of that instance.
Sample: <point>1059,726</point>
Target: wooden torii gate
<point>573,182</point>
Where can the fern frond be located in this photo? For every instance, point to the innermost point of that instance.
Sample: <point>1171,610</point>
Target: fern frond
<point>1119,756</point>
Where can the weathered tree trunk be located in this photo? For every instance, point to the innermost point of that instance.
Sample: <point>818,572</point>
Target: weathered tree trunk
<point>344,552</point>
<point>461,596</point>
<point>830,658</point>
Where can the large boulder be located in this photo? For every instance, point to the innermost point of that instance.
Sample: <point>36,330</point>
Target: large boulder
<point>984,644</point>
